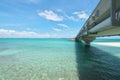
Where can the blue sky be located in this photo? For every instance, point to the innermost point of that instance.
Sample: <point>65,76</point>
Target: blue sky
<point>43,18</point>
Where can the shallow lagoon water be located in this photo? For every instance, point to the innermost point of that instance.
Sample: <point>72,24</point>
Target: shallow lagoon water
<point>58,59</point>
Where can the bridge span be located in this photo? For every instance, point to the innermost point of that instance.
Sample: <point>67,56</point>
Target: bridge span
<point>104,21</point>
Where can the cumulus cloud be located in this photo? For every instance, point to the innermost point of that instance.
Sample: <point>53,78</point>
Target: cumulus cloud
<point>50,15</point>
<point>56,29</point>
<point>21,34</point>
<point>81,14</point>
<point>72,18</point>
<point>75,16</point>
<point>63,25</point>
<point>66,16</point>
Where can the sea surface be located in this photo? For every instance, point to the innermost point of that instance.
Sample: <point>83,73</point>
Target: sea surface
<point>58,59</point>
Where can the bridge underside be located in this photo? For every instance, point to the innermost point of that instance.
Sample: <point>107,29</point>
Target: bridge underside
<point>92,36</point>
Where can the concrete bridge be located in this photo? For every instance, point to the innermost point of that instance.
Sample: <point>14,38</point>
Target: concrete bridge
<point>104,21</point>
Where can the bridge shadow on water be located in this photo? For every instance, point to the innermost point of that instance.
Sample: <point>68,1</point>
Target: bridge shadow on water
<point>95,64</point>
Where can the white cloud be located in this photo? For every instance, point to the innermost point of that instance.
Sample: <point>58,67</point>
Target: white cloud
<point>21,34</point>
<point>6,33</point>
<point>63,25</point>
<point>50,15</point>
<point>56,29</point>
<point>72,18</point>
<point>67,16</point>
<point>76,16</point>
<point>81,14</point>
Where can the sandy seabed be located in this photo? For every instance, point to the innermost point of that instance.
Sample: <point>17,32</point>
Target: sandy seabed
<point>35,72</point>
<point>113,44</point>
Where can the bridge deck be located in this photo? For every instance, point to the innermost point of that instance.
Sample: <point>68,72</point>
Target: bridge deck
<point>104,21</point>
<point>106,16</point>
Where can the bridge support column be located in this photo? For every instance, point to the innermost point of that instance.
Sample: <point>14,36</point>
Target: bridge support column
<point>87,40</point>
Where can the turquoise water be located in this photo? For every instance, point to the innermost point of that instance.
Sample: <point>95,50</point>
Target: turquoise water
<point>58,59</point>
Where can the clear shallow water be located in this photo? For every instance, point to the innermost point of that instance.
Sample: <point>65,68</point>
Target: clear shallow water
<point>58,59</point>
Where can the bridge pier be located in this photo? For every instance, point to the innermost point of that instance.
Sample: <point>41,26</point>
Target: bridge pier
<point>87,43</point>
<point>86,39</point>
